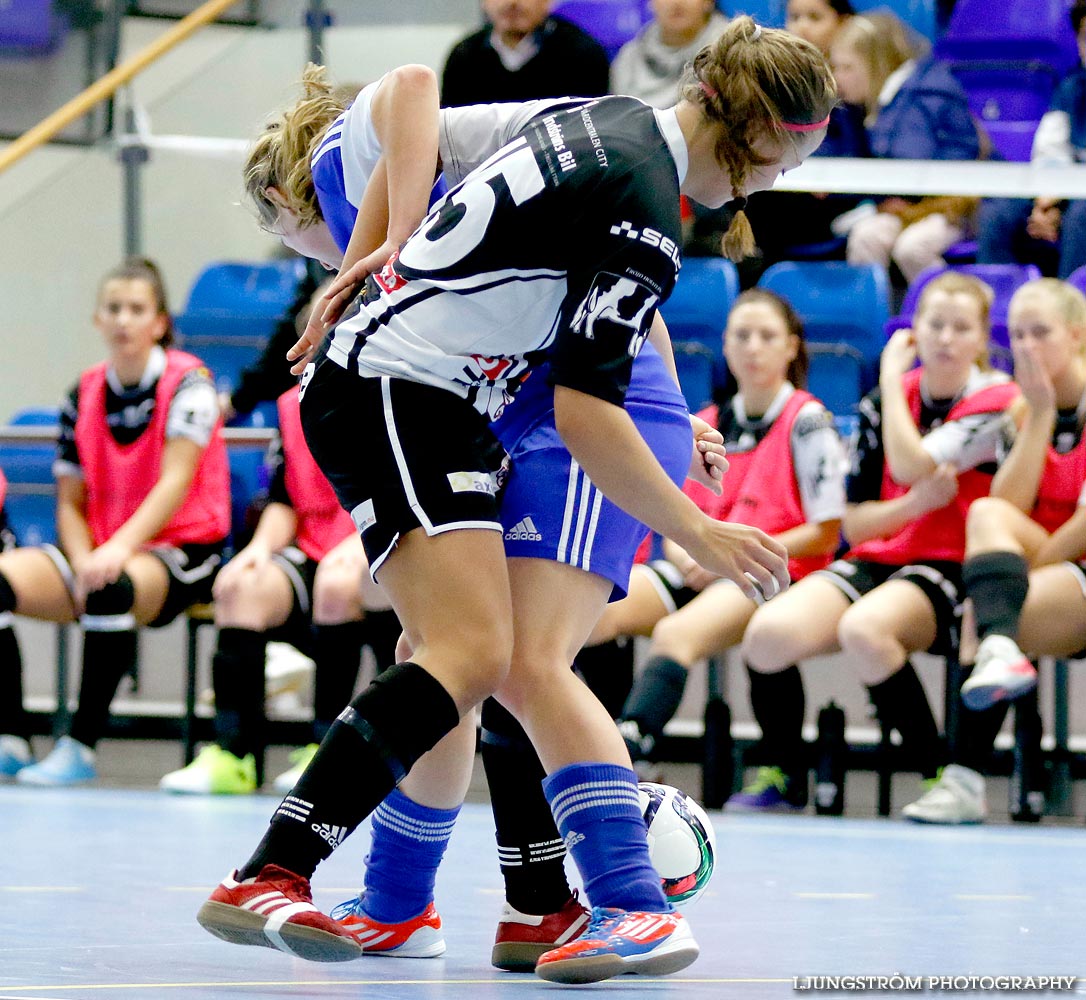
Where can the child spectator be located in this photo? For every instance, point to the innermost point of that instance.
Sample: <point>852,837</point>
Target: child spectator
<point>143,510</point>
<point>916,111</point>
<point>1047,232</point>
<point>786,476</point>
<point>521,54</point>
<point>304,567</point>
<point>650,66</point>
<point>1024,541</point>
<point>924,451</point>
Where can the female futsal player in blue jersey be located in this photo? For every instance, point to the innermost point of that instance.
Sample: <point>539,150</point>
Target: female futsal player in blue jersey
<point>518,261</point>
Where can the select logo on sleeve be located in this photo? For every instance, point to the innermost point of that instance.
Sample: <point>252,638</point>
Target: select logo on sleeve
<point>363,515</point>
<point>472,482</point>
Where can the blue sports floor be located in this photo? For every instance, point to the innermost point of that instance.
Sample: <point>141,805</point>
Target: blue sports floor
<point>99,888</point>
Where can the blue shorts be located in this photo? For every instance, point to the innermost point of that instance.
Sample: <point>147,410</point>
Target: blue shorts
<point>551,510</point>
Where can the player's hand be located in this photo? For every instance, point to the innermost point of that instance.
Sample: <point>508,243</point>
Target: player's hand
<point>1032,377</point>
<point>898,356</point>
<point>708,462</point>
<point>936,489</point>
<point>751,559</point>
<point>1044,220</point>
<point>238,571</point>
<point>101,567</point>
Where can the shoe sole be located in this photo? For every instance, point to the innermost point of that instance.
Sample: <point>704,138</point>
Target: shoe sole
<point>984,696</point>
<point>238,926</point>
<point>942,822</point>
<point>663,961</point>
<point>518,956</point>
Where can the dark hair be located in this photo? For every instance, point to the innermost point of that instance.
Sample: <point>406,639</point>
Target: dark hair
<point>842,8</point>
<point>799,365</point>
<point>1077,13</point>
<point>143,269</point>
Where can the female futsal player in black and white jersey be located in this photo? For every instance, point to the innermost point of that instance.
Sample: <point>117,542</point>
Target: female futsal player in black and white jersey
<point>535,252</point>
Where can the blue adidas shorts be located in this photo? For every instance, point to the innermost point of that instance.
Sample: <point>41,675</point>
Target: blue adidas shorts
<point>551,510</point>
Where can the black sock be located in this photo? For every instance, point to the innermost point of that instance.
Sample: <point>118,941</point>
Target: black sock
<point>382,632</point>
<point>237,674</point>
<point>14,720</point>
<point>367,752</point>
<point>655,699</point>
<point>901,704</point>
<point>608,670</point>
<point>977,733</point>
<point>998,583</point>
<point>107,657</point>
<point>530,848</point>
<point>779,703</point>
<point>337,650</point>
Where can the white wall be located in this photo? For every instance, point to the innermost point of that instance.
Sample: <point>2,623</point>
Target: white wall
<point>61,223</point>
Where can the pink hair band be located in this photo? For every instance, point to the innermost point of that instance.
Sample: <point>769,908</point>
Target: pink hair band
<point>809,127</point>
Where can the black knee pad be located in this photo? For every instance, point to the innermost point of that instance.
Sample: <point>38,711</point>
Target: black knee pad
<point>500,727</point>
<point>7,595</point>
<point>114,598</point>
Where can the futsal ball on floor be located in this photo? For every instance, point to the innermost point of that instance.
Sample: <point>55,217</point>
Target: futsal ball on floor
<point>682,843</point>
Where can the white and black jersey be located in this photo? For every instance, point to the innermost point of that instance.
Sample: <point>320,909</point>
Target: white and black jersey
<point>564,241</point>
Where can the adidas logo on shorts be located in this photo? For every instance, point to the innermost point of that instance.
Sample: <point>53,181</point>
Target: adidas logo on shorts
<point>524,531</point>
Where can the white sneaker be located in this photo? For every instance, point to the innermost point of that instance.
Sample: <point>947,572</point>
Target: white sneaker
<point>956,796</point>
<point>1003,673</point>
<point>15,754</point>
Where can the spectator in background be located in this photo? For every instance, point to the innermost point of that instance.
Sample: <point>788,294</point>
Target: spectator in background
<point>650,65</point>
<point>925,448</point>
<point>915,110</point>
<point>143,510</point>
<point>786,476</point>
<point>1046,231</point>
<point>783,219</point>
<point>521,54</point>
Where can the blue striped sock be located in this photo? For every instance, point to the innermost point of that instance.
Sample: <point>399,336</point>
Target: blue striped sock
<point>408,843</point>
<point>597,811</point>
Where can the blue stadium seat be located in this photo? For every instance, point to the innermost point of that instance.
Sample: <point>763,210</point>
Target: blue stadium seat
<point>232,299</point>
<point>225,357</point>
<point>30,28</point>
<point>1004,280</point>
<point>611,22</point>
<point>696,367</point>
<point>768,12</point>
<point>1077,278</point>
<point>31,500</point>
<point>836,376</point>
<point>985,32</point>
<point>703,296</point>
<point>917,14</point>
<point>839,303</point>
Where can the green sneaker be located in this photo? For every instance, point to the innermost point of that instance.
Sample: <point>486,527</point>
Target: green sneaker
<point>299,761</point>
<point>215,771</point>
<point>766,793</point>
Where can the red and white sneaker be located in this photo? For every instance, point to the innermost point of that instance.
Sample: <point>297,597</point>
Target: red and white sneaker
<point>275,910</point>
<point>522,938</point>
<point>1003,673</point>
<point>620,942</point>
<point>419,937</point>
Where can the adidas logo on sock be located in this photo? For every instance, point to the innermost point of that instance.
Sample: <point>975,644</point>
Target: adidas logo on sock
<point>524,531</point>
<point>332,834</point>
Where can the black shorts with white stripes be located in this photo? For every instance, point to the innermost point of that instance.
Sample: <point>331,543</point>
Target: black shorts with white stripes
<point>401,455</point>
<point>940,581</point>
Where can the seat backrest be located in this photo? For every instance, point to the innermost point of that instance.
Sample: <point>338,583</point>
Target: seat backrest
<point>836,376</point>
<point>698,307</point>
<point>1022,29</point>
<point>917,14</point>
<point>1013,140</point>
<point>225,358</point>
<point>1003,279</point>
<point>1008,91</point>
<point>771,13</point>
<point>241,298</point>
<point>1077,278</point>
<point>696,367</point>
<point>30,27</point>
<point>838,302</point>
<point>611,22</point>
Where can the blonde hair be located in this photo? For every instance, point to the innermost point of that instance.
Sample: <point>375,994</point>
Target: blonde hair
<point>883,43</point>
<point>280,156</point>
<point>956,283</point>
<point>1067,300</point>
<point>753,82</point>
